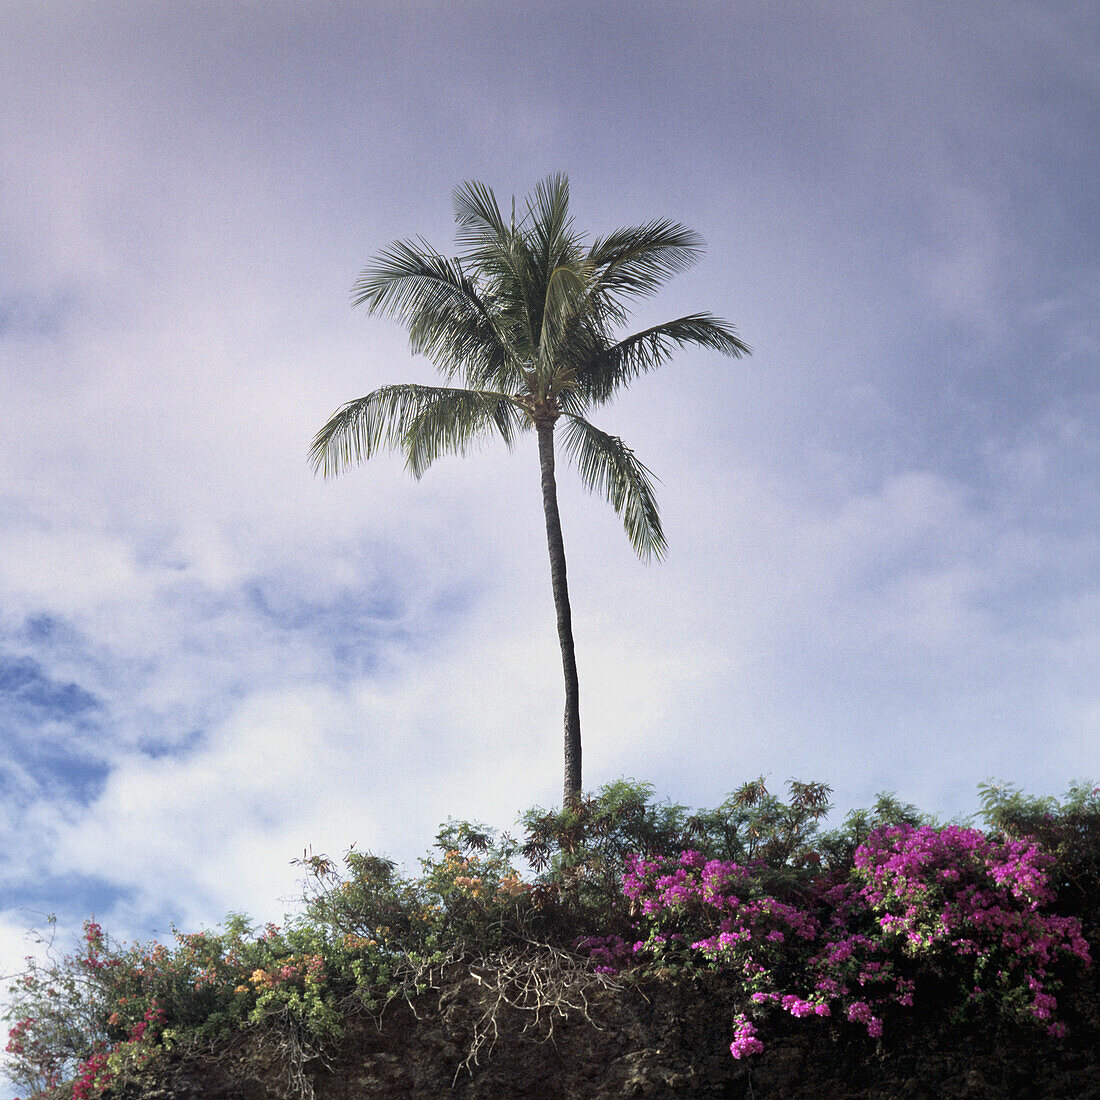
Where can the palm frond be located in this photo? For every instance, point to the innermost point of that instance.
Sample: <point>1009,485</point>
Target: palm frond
<point>552,281</point>
<point>608,369</point>
<point>442,308</point>
<point>563,302</point>
<point>607,465</point>
<point>403,277</point>
<point>450,421</point>
<point>422,421</point>
<point>510,271</point>
<point>477,213</point>
<point>635,261</point>
<point>551,225</point>
<point>525,319</point>
<point>488,244</point>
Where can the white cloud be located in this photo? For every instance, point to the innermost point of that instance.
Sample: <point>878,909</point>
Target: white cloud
<point>882,568</point>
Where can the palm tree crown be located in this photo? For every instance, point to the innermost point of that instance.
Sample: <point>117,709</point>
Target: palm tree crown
<point>525,318</point>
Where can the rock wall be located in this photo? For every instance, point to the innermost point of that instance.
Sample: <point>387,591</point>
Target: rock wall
<point>665,1039</point>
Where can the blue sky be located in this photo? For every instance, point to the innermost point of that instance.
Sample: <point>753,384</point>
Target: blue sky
<point>884,569</point>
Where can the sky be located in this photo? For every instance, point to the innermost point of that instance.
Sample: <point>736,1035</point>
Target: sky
<point>884,564</point>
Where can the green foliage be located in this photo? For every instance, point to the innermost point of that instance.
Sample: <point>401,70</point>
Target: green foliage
<point>58,1013</point>
<point>1067,828</point>
<point>469,897</point>
<point>368,932</point>
<point>95,1002</point>
<point>525,317</point>
<point>837,846</point>
<point>580,852</point>
<point>757,828</point>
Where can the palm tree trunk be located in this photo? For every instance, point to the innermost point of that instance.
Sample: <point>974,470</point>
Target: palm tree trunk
<point>556,547</point>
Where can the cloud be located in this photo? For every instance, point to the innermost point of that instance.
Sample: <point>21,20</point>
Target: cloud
<point>883,566</point>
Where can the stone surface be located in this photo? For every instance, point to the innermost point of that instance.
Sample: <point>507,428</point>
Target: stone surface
<point>663,1040</point>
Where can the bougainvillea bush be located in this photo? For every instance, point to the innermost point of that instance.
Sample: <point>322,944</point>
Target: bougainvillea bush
<point>365,934</point>
<point>943,906</point>
<point>83,1016</point>
<point>858,928</point>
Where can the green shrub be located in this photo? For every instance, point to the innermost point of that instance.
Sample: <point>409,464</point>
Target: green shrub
<point>366,932</point>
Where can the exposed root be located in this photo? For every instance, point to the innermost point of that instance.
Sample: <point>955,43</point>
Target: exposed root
<point>543,983</point>
<point>284,1048</point>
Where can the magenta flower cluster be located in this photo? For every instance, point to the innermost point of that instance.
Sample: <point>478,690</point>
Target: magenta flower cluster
<point>745,1041</point>
<point>94,1074</point>
<point>943,900</point>
<point>956,892</point>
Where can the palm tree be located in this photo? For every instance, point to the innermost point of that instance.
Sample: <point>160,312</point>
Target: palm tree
<point>525,318</point>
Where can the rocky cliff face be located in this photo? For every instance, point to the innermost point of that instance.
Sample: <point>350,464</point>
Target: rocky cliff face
<point>665,1039</point>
